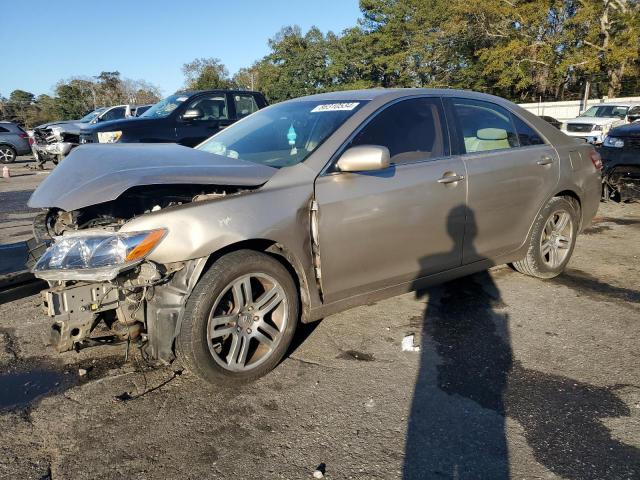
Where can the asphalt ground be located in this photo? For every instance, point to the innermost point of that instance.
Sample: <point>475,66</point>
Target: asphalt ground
<point>515,378</point>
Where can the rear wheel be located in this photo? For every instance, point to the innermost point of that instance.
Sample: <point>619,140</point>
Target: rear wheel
<point>552,239</point>
<point>7,154</point>
<point>239,320</point>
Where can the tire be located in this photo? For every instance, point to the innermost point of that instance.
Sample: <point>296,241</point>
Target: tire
<point>7,154</point>
<point>551,247</point>
<point>220,325</point>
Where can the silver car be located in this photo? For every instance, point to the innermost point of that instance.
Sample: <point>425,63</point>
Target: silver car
<point>301,210</point>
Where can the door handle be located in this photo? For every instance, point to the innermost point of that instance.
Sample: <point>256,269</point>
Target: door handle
<point>451,178</point>
<point>545,161</point>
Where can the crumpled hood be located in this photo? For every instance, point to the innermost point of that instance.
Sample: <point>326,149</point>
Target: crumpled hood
<point>76,124</point>
<point>93,174</point>
<point>119,124</point>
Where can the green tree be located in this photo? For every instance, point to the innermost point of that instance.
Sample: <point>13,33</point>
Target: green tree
<point>206,73</point>
<point>604,41</point>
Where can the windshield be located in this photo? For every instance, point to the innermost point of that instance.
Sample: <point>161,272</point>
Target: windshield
<point>606,111</point>
<point>90,116</point>
<point>165,106</point>
<point>282,135</point>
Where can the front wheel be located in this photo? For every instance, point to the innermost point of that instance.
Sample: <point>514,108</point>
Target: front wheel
<point>552,239</point>
<point>239,320</point>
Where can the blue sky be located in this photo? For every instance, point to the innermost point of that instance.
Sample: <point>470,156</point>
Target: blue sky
<point>45,41</point>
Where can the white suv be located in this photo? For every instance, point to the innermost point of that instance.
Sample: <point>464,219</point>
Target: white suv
<point>594,123</point>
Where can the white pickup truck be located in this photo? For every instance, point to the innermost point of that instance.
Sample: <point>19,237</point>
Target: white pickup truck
<point>594,123</point>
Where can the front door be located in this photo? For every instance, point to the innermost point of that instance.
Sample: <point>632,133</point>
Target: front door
<point>511,172</point>
<point>388,227</point>
<point>215,116</point>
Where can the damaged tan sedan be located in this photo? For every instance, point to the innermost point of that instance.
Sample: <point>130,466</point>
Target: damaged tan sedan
<point>301,210</point>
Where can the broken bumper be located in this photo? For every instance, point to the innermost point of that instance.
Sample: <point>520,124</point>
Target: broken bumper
<point>53,149</point>
<point>74,311</point>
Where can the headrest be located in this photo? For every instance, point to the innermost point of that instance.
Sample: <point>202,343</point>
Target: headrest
<point>492,134</point>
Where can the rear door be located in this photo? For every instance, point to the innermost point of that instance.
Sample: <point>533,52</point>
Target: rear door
<point>511,172</point>
<point>388,227</point>
<point>215,116</point>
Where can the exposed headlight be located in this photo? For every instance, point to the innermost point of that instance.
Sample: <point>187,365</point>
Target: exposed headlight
<point>109,137</point>
<point>597,128</point>
<point>95,256</point>
<point>614,142</point>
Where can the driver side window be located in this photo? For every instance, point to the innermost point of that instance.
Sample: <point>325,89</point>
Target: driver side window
<point>114,114</point>
<point>213,107</point>
<point>412,130</point>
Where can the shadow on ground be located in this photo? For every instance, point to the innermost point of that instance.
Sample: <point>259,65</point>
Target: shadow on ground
<point>469,382</point>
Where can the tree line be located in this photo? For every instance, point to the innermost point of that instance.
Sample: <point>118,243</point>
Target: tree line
<point>75,97</point>
<point>523,50</point>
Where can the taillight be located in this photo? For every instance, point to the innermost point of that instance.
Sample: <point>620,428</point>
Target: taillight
<point>23,135</point>
<point>596,159</point>
<point>31,141</point>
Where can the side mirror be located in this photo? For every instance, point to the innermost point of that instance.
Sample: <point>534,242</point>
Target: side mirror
<point>364,158</point>
<point>192,114</point>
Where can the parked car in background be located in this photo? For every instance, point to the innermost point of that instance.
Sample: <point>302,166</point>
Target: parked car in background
<point>186,118</point>
<point>54,140</point>
<point>301,210</point>
<point>552,121</point>
<point>140,109</point>
<point>594,123</point>
<point>14,141</point>
<point>621,159</point>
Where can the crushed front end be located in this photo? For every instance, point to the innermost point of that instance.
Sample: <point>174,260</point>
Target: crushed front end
<point>102,287</point>
<point>621,173</point>
<point>52,143</point>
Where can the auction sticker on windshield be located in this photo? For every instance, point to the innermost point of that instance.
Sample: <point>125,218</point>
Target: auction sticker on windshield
<point>335,107</point>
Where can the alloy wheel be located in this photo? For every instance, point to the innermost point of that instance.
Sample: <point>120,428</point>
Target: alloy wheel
<point>247,322</point>
<point>557,238</point>
<point>7,155</point>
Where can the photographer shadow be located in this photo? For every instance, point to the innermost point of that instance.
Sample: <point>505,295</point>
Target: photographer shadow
<point>456,427</point>
<point>469,382</point>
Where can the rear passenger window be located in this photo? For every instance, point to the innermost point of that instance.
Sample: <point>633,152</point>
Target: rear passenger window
<point>526,134</point>
<point>412,130</point>
<point>485,126</point>
<point>245,105</point>
<point>3,130</point>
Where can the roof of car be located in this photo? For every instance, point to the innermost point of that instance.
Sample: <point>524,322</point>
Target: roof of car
<point>392,93</point>
<point>215,90</point>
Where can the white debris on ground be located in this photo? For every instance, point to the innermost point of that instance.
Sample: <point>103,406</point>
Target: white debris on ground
<point>82,372</point>
<point>408,344</point>
<point>318,474</point>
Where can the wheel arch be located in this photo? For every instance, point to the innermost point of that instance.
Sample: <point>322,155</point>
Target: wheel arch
<point>576,198</point>
<point>279,252</point>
